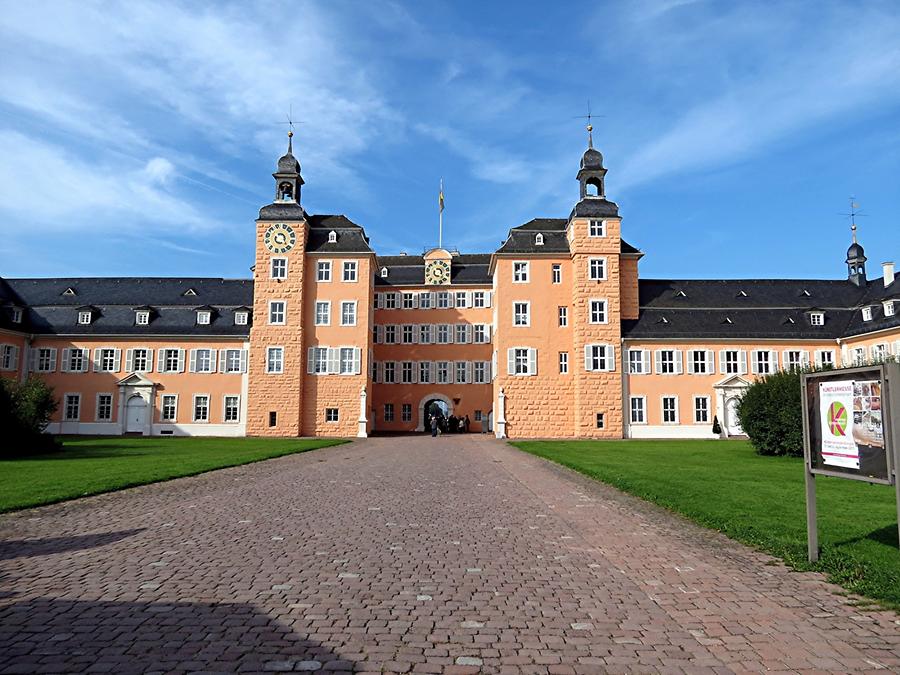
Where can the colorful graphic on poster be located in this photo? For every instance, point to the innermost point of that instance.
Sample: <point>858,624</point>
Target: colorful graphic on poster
<point>838,445</point>
<point>867,427</point>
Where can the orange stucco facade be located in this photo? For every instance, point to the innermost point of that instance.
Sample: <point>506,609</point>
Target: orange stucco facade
<point>552,335</point>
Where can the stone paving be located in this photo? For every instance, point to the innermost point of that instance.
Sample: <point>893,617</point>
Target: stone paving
<point>454,555</point>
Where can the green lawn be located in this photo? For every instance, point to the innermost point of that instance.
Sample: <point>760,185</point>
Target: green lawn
<point>757,500</point>
<point>91,465</point>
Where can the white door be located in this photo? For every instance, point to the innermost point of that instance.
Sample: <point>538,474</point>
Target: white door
<point>731,418</point>
<point>135,414</point>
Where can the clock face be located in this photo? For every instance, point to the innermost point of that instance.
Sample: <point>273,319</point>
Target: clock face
<point>437,272</point>
<point>280,238</point>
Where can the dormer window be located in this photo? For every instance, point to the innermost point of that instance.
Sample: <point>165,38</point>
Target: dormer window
<point>16,315</point>
<point>189,293</point>
<point>597,228</point>
<point>384,272</point>
<point>817,319</point>
<point>680,294</point>
<point>203,317</point>
<point>142,317</point>
<point>867,313</point>
<point>332,237</point>
<point>240,318</point>
<point>69,291</point>
<point>539,239</point>
<point>84,317</point>
<point>889,308</point>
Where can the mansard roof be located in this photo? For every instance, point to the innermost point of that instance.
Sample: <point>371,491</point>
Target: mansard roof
<point>409,270</point>
<point>351,238</point>
<point>49,311</point>
<point>521,239</point>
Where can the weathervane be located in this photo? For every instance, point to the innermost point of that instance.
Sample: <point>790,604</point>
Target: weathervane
<point>853,215</point>
<point>290,122</point>
<point>590,127</point>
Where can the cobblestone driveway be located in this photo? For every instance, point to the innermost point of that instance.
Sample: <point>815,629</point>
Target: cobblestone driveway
<point>410,554</point>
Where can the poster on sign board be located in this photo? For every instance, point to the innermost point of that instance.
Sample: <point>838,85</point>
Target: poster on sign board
<point>835,406</point>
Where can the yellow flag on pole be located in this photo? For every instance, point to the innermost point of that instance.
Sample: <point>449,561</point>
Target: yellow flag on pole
<point>441,195</point>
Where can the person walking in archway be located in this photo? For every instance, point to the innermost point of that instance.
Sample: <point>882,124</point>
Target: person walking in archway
<point>434,426</point>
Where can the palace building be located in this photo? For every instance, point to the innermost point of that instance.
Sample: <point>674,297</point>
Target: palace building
<point>554,334</point>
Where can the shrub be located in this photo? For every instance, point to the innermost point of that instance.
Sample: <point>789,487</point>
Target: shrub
<point>717,428</point>
<point>771,413</point>
<point>25,410</point>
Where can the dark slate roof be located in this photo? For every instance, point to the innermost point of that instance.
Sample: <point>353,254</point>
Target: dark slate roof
<point>521,239</point>
<point>409,270</point>
<point>291,211</point>
<point>595,207</point>
<point>116,298</point>
<point>743,308</point>
<point>875,296</point>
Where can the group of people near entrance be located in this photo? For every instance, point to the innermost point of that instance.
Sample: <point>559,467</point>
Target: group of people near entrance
<point>448,425</point>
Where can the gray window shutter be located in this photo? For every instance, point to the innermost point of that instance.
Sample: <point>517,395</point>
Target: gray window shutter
<point>223,358</point>
<point>161,360</point>
<point>645,360</point>
<point>722,360</point>
<point>149,360</point>
<point>610,358</point>
<point>53,360</point>
<point>310,360</point>
<point>14,358</point>
<point>180,360</point>
<point>243,360</point>
<point>710,361</point>
<point>64,367</point>
<point>532,361</point>
<point>511,361</point>
<point>357,360</point>
<point>658,359</point>
<point>679,364</point>
<point>742,359</point>
<point>690,362</point>
<point>754,368</point>
<point>334,360</point>
<point>193,364</point>
<point>117,360</point>
<point>129,360</point>
<point>97,353</point>
<point>212,360</point>
<point>588,358</point>
<point>487,298</point>
<point>470,372</point>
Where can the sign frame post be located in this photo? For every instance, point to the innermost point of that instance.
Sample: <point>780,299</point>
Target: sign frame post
<point>885,471</point>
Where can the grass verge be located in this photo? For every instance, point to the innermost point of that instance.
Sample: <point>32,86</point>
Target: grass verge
<point>92,465</point>
<point>759,501</point>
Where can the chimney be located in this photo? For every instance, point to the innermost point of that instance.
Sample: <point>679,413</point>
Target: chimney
<point>888,268</point>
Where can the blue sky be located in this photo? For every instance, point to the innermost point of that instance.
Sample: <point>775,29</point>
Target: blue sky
<point>139,138</point>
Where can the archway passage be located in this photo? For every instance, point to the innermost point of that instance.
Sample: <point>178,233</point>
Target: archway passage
<point>430,404</point>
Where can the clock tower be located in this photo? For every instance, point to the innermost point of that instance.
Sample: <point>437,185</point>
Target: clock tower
<point>276,372</point>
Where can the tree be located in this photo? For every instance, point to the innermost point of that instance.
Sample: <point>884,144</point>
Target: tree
<point>771,414</point>
<point>25,411</point>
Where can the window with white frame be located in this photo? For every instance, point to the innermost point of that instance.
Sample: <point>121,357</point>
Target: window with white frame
<point>461,299</point>
<point>424,372</point>
<point>279,268</point>
<point>425,300</point>
<point>825,358</point>
<point>521,314</point>
<point>142,317</point>
<point>140,360</point>
<point>234,361</point>
<point>701,409</point>
<point>409,300</point>
<point>556,274</point>
<point>406,412</point>
<point>169,408</point>
<point>332,237</point>
<point>171,360</point>
<point>72,407</point>
<point>481,335</point>
<point>323,270</point>
<point>794,359</point>
<point>733,361</point>
<point>319,357</point>
<point>84,317</point>
<point>597,269</point>
<point>564,363</point>
<point>332,414</point>
<point>522,361</point>
<point>275,360</point>
<point>867,313</point>
<point>462,372</point>
<point>539,239</point>
<point>204,316</point>
<point>817,318</point>
<point>389,300</point>
<point>276,312</point>
<point>668,361</point>
<point>478,299</point>
<point>670,409</point>
<point>323,312</point>
<point>425,333</point>
<point>879,352</point>
<point>601,420</point>
<point>520,272</point>
<point>599,358</point>
<point>389,371</point>
<point>241,318</point>
<point>597,312</point>
<point>78,360</point>
<point>107,361</point>
<point>859,356</point>
<point>16,315</point>
<point>348,313</point>
<point>104,408</point>
<point>597,228</point>
<point>480,372</point>
<point>202,361</point>
<point>231,409</point>
<point>388,412</point>
<point>443,374</point>
<point>9,357</point>
<point>889,308</point>
<point>563,316</point>
<point>763,363</point>
<point>461,333</point>
<point>201,408</point>
<point>348,361</point>
<point>390,334</point>
<point>638,361</point>
<point>700,362</point>
<point>638,407</point>
<point>444,333</point>
<point>45,359</point>
<point>443,300</point>
<point>350,270</point>
<point>406,372</point>
<point>408,334</point>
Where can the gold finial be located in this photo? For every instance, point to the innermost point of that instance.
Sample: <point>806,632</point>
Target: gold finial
<point>290,134</point>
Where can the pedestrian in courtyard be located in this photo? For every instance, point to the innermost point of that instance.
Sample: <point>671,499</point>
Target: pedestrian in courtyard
<point>434,426</point>
<point>467,423</point>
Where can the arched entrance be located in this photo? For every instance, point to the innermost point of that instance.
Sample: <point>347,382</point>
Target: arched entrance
<point>135,415</point>
<point>731,418</point>
<point>444,404</point>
